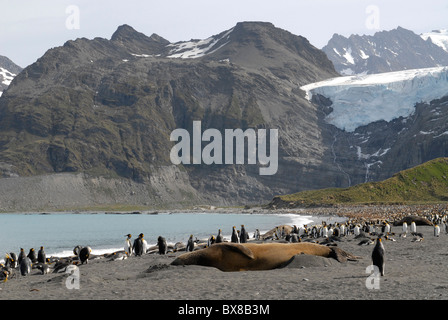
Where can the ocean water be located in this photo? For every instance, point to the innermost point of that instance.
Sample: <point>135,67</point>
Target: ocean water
<point>59,233</point>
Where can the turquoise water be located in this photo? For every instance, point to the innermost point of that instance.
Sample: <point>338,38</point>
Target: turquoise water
<point>59,233</point>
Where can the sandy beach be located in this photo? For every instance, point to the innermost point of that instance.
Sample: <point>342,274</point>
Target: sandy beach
<point>414,270</point>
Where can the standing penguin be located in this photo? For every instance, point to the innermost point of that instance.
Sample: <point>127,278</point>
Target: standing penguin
<point>413,227</point>
<point>144,243</point>
<point>243,234</point>
<point>436,231</point>
<point>84,254</point>
<point>128,244</point>
<point>138,246</point>
<point>22,255</point>
<point>257,234</point>
<point>32,255</point>
<point>378,256</point>
<point>219,237</point>
<point>357,230</point>
<point>190,244</point>
<point>25,266</point>
<point>41,256</point>
<point>405,227</point>
<point>211,241</point>
<point>234,237</point>
<point>161,242</point>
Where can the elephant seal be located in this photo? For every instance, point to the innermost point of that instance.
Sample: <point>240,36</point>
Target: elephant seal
<point>285,228</point>
<point>419,221</point>
<point>254,256</point>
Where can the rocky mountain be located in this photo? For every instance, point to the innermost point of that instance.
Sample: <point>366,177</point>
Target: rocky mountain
<point>106,108</point>
<point>89,123</point>
<point>385,51</point>
<point>8,70</point>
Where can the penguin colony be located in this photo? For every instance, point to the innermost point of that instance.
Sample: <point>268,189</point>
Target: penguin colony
<point>367,231</point>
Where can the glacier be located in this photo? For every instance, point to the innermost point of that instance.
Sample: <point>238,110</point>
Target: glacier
<point>362,99</point>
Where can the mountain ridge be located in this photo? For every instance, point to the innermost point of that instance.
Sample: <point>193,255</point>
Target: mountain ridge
<point>95,115</point>
<point>385,51</point>
<point>101,108</point>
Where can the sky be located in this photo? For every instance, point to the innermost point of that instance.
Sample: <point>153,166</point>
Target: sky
<point>28,28</point>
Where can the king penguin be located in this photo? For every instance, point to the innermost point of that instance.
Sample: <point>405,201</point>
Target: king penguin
<point>138,246</point>
<point>378,256</point>
<point>22,255</point>
<point>211,241</point>
<point>84,254</point>
<point>32,255</point>
<point>413,227</point>
<point>219,237</point>
<point>405,227</point>
<point>41,256</point>
<point>145,244</point>
<point>436,231</point>
<point>190,244</point>
<point>11,260</point>
<point>234,238</point>
<point>161,242</point>
<point>128,245</point>
<point>243,234</point>
<point>25,266</point>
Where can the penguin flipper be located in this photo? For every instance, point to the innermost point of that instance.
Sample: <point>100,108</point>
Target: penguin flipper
<point>238,248</point>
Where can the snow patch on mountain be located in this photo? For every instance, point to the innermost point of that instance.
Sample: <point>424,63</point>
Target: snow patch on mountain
<point>6,76</point>
<point>360,100</point>
<point>438,37</point>
<point>197,48</point>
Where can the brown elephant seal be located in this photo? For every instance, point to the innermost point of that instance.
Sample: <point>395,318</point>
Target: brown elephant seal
<point>285,229</point>
<point>419,221</point>
<point>254,256</point>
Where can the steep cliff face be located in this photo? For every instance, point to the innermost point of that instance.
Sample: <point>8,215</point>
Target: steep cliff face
<point>107,108</point>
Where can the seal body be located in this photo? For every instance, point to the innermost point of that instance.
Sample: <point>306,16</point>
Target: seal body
<point>420,221</point>
<point>253,256</point>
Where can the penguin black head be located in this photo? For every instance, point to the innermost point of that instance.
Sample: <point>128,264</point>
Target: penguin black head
<point>128,235</point>
<point>141,235</point>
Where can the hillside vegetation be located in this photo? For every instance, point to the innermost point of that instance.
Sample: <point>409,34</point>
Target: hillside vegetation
<point>427,182</point>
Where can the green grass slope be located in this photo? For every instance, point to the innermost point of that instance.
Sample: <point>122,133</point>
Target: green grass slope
<point>425,183</point>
